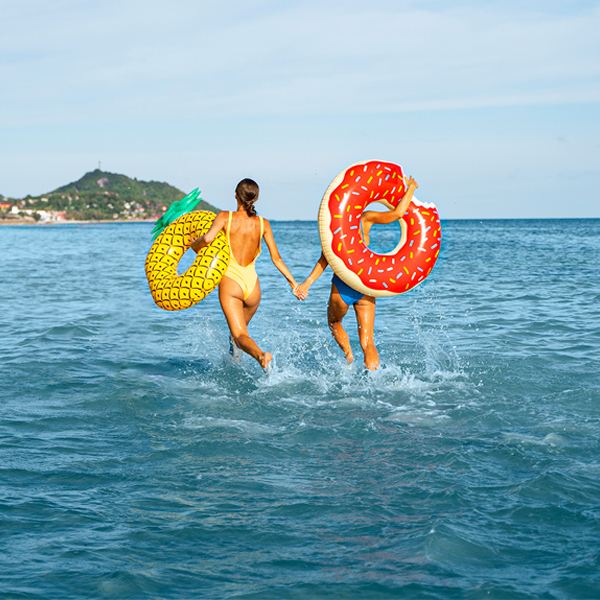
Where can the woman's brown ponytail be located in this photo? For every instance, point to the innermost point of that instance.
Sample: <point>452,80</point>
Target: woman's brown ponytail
<point>246,192</point>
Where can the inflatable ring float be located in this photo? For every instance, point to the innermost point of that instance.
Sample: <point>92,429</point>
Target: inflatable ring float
<point>172,291</point>
<point>353,262</point>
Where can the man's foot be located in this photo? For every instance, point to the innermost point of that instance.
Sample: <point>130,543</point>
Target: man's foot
<point>371,358</point>
<point>372,364</point>
<point>265,361</point>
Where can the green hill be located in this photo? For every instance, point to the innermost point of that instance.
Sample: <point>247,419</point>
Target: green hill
<point>100,195</point>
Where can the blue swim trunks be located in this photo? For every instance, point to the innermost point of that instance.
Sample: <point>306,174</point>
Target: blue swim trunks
<point>349,295</point>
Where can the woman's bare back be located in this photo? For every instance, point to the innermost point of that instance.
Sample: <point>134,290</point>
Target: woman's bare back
<point>244,237</point>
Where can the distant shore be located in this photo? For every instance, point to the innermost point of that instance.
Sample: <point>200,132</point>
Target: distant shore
<point>32,221</point>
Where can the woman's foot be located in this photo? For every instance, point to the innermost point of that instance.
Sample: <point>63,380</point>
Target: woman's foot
<point>265,360</point>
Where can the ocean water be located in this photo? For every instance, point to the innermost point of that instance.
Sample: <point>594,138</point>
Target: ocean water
<point>138,461</point>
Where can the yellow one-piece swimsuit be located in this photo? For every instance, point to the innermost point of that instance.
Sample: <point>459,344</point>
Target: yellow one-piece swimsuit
<point>245,276</point>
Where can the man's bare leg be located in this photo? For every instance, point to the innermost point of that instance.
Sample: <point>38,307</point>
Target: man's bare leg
<point>365,318</point>
<point>336,311</point>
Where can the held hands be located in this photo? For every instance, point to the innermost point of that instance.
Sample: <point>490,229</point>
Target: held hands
<point>301,291</point>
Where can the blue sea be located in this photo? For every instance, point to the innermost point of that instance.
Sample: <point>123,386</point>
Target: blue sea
<point>137,460</point>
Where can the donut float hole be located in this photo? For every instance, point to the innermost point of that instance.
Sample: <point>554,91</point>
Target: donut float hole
<point>384,238</point>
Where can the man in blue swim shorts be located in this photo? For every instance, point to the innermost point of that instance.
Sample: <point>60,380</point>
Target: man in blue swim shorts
<point>342,296</point>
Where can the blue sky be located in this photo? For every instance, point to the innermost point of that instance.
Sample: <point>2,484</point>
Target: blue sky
<point>494,107</point>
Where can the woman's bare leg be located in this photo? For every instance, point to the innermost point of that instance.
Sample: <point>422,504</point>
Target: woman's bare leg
<point>365,318</point>
<point>336,311</point>
<point>252,302</point>
<point>238,314</point>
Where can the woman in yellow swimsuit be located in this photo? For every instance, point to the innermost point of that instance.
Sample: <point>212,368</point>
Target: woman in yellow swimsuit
<point>239,290</point>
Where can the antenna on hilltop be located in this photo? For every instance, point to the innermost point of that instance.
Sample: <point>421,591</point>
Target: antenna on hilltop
<point>99,165</point>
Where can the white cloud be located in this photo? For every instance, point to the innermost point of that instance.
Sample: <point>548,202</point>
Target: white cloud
<point>105,60</point>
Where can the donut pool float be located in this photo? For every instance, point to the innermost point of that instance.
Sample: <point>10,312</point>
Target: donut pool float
<point>172,291</point>
<point>353,262</point>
